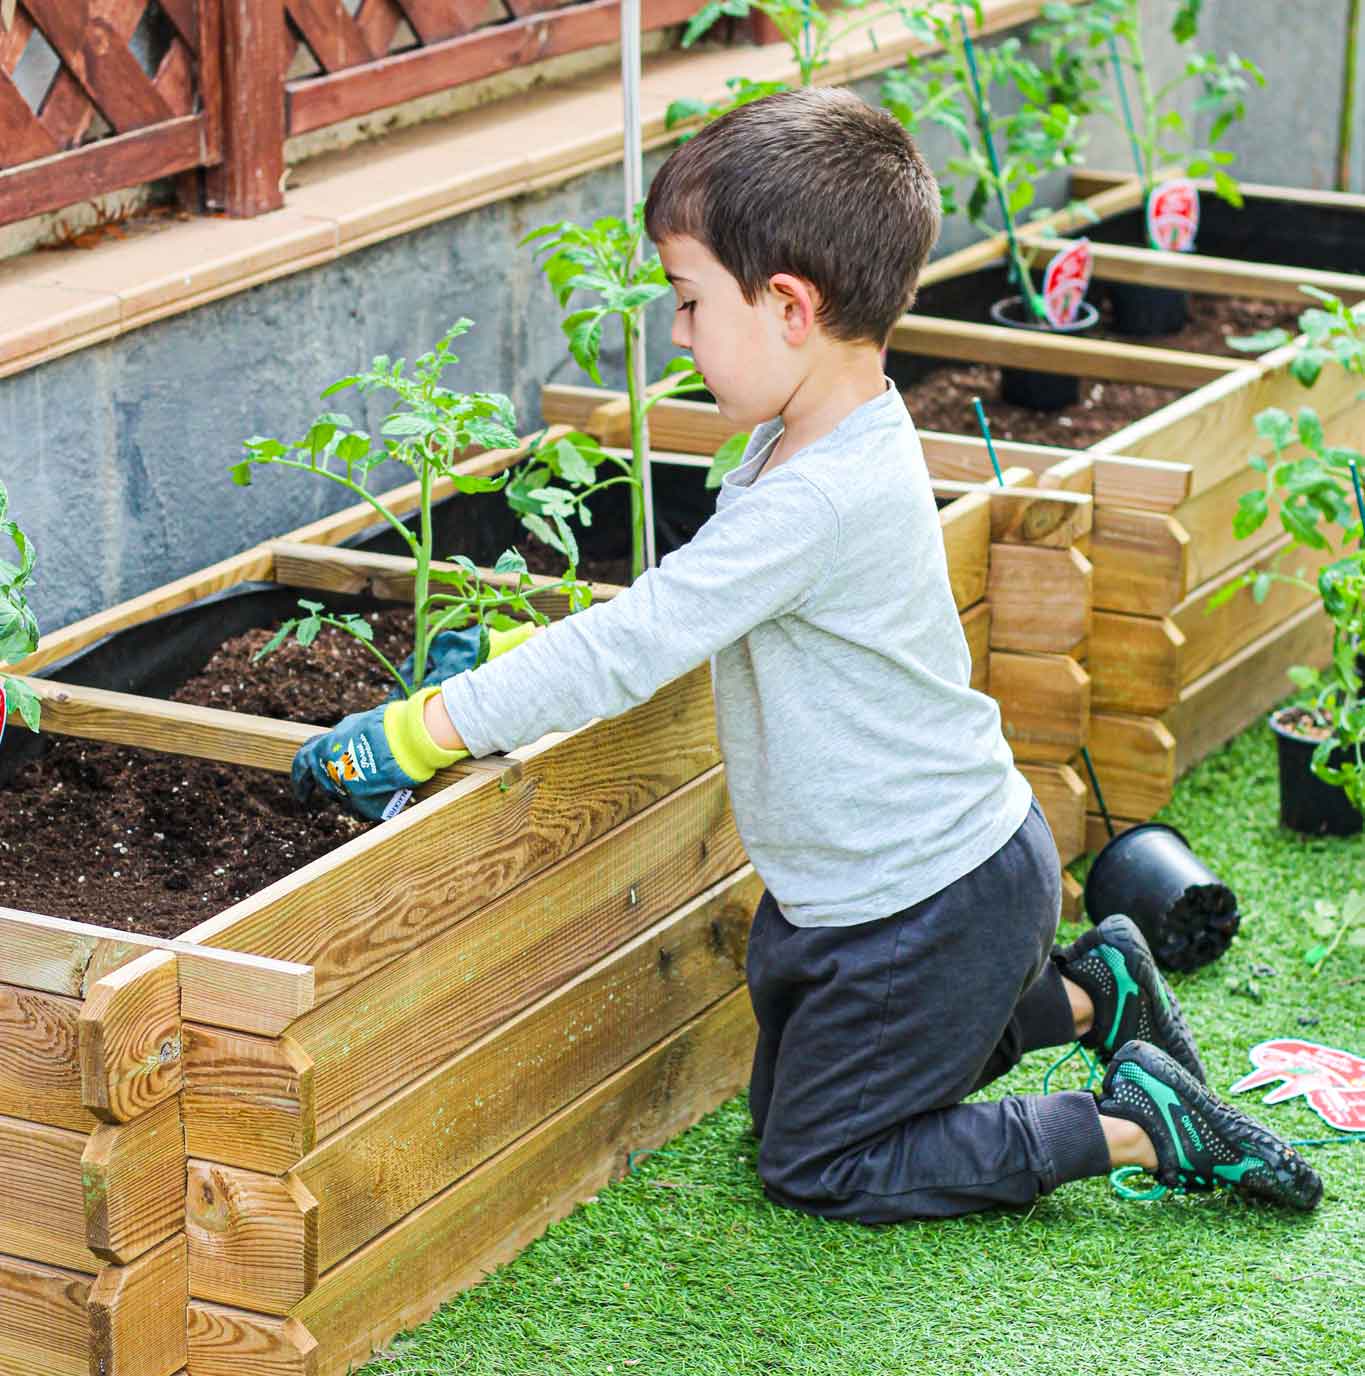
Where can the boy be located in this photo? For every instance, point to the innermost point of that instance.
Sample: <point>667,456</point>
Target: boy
<point>902,956</point>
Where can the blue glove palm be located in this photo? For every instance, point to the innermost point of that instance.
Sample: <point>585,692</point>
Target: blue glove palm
<point>448,654</point>
<point>355,763</point>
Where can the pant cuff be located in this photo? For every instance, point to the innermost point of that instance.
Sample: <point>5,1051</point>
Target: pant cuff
<point>1074,1143</point>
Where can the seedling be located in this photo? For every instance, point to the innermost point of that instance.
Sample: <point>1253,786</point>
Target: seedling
<point>1333,923</point>
<point>1097,47</point>
<point>18,625</point>
<point>1001,157</point>
<point>428,429</point>
<point>603,261</point>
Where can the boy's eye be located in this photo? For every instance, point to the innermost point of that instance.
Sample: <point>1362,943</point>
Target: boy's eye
<point>687,305</point>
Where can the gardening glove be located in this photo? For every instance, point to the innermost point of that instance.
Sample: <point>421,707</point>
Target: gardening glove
<point>453,652</point>
<point>373,760</point>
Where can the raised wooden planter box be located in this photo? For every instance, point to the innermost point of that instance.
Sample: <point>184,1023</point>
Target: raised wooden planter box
<point>268,1145</point>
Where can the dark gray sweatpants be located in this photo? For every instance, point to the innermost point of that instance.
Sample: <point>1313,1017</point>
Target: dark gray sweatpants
<point>871,1036</point>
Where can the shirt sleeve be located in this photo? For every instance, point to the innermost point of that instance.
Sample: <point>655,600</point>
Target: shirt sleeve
<point>760,556</point>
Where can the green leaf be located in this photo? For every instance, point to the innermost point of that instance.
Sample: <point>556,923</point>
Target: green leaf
<point>585,344</point>
<point>1356,937</point>
<point>680,111</point>
<point>310,606</point>
<point>469,482</point>
<point>308,630</point>
<point>1275,425</point>
<point>1306,366</point>
<point>275,640</point>
<point>1260,342</point>
<point>358,627</point>
<point>1260,588</point>
<point>339,386</point>
<point>1322,926</point>
<point>1252,510</point>
<point>573,467</point>
<point>510,561</point>
<point>241,473</point>
<point>728,457</point>
<point>1315,953</point>
<point>1310,429</point>
<point>28,704</point>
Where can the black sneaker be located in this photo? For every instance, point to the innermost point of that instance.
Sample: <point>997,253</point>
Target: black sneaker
<point>1113,964</point>
<point>1201,1143</point>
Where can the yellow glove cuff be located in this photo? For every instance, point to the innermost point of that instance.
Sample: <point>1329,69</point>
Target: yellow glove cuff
<point>499,642</point>
<point>414,751</point>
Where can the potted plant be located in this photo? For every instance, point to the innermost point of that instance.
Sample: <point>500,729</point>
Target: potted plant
<point>1000,161</point>
<point>1090,44</point>
<point>428,430</point>
<point>1321,734</point>
<point>18,625</point>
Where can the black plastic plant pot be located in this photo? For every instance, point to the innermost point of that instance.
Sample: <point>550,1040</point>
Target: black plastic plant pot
<point>1026,387</point>
<point>1307,803</point>
<point>1148,311</point>
<point>1187,914</point>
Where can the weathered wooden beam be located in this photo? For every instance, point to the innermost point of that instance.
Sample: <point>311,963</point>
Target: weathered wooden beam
<point>379,896</point>
<point>1061,795</point>
<point>1141,561</point>
<point>46,1324</point>
<point>455,1238</point>
<point>1044,705</point>
<point>137,1313</point>
<point>1040,599</point>
<point>1028,515</point>
<point>966,526</point>
<point>1058,353</point>
<point>234,1342</point>
<point>222,987</point>
<point>1134,759</point>
<point>40,1072</point>
<point>1135,662</point>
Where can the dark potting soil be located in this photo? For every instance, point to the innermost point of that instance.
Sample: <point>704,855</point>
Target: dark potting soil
<point>1212,320</point>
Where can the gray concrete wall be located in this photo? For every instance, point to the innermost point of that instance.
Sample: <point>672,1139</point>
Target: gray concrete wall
<point>116,458</point>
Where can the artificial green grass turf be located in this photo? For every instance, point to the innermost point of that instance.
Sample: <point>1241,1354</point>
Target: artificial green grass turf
<point>685,1269</point>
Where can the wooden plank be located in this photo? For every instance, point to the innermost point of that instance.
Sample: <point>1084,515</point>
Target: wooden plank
<point>1212,637</point>
<point>224,988</point>
<point>133,1180</point>
<point>1141,559</point>
<point>392,80</point>
<point>330,33</point>
<point>1211,276</point>
<point>232,1342</point>
<point>1141,484</point>
<point>40,1072</point>
<point>488,834</point>
<point>456,1238</point>
<point>1073,899</point>
<point>421,1009</point>
<point>976,626</point>
<point>1061,795</point>
<point>43,1218</point>
<point>1044,705</point>
<point>250,180</point>
<point>1040,598</point>
<point>1207,519</point>
<point>461,1113</point>
<point>966,526</point>
<point>130,1039</point>
<point>1107,360</point>
<point>1226,700</point>
<point>137,1314</point>
<point>1134,758</point>
<point>45,1327</point>
<point>253,1239</point>
<point>1028,515</point>
<point>1135,662</point>
<point>248,1101</point>
<point>1097,833</point>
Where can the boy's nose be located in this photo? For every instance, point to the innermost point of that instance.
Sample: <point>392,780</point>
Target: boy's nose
<point>680,331</point>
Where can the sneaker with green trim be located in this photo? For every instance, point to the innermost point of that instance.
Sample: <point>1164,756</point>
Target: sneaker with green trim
<point>1202,1143</point>
<point>1113,964</point>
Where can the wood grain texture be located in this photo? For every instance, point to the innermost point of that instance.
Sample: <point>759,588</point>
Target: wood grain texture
<point>419,1010</point>
<point>253,1239</point>
<point>1042,352</point>
<point>416,1143</point>
<point>966,526</point>
<point>1097,833</point>
<point>1040,599</point>
<point>1029,515</point>
<point>1073,898</point>
<point>1134,758</point>
<point>1212,637</point>
<point>137,1314</point>
<point>1044,705</point>
<point>400,884</point>
<point>1231,696</point>
<point>40,1071</point>
<point>1141,559</point>
<point>225,988</point>
<point>130,1039</point>
<point>133,1177</point>
<point>44,1326</point>
<point>250,179</point>
<point>233,1342</point>
<point>248,1101</point>
<point>456,1238</point>
<point>1141,484</point>
<point>976,627</point>
<point>1135,663</point>
<point>1061,795</point>
<point>43,1218</point>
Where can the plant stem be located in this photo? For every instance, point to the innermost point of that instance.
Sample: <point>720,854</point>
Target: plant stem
<point>357,489</point>
<point>1322,959</point>
<point>637,452</point>
<point>421,583</point>
<point>1346,130</point>
<point>1149,105</point>
<point>371,647</point>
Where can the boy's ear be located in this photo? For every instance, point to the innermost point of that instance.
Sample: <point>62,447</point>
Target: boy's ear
<point>799,304</point>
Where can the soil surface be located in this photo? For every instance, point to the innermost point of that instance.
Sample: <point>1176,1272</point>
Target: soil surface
<point>943,399</point>
<point>1305,725</point>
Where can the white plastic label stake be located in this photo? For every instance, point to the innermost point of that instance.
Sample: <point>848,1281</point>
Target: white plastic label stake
<point>1066,282</point>
<point>1173,216</point>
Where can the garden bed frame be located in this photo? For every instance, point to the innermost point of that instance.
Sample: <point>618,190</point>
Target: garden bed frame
<point>270,1144</point>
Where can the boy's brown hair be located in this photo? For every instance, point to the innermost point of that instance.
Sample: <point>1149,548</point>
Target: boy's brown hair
<point>814,182</point>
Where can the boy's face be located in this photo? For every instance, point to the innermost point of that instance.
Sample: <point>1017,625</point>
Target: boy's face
<point>744,351</point>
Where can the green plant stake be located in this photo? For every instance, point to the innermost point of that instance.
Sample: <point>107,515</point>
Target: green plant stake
<point>18,625</point>
<point>427,431</point>
<point>990,443</point>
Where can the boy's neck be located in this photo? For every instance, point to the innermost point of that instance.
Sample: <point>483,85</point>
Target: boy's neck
<point>845,379</point>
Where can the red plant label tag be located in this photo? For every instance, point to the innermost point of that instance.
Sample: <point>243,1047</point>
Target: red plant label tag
<point>1066,282</point>
<point>1173,216</point>
<point>1333,1081</point>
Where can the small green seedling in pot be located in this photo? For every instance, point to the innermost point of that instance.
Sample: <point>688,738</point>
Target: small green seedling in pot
<point>1332,923</point>
<point>1097,48</point>
<point>602,261</point>
<point>428,430</point>
<point>18,625</point>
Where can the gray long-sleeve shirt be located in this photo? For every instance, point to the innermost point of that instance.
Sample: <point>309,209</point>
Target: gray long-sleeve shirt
<point>865,773</point>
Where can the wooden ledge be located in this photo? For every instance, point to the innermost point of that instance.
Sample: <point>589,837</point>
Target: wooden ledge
<point>53,303</point>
